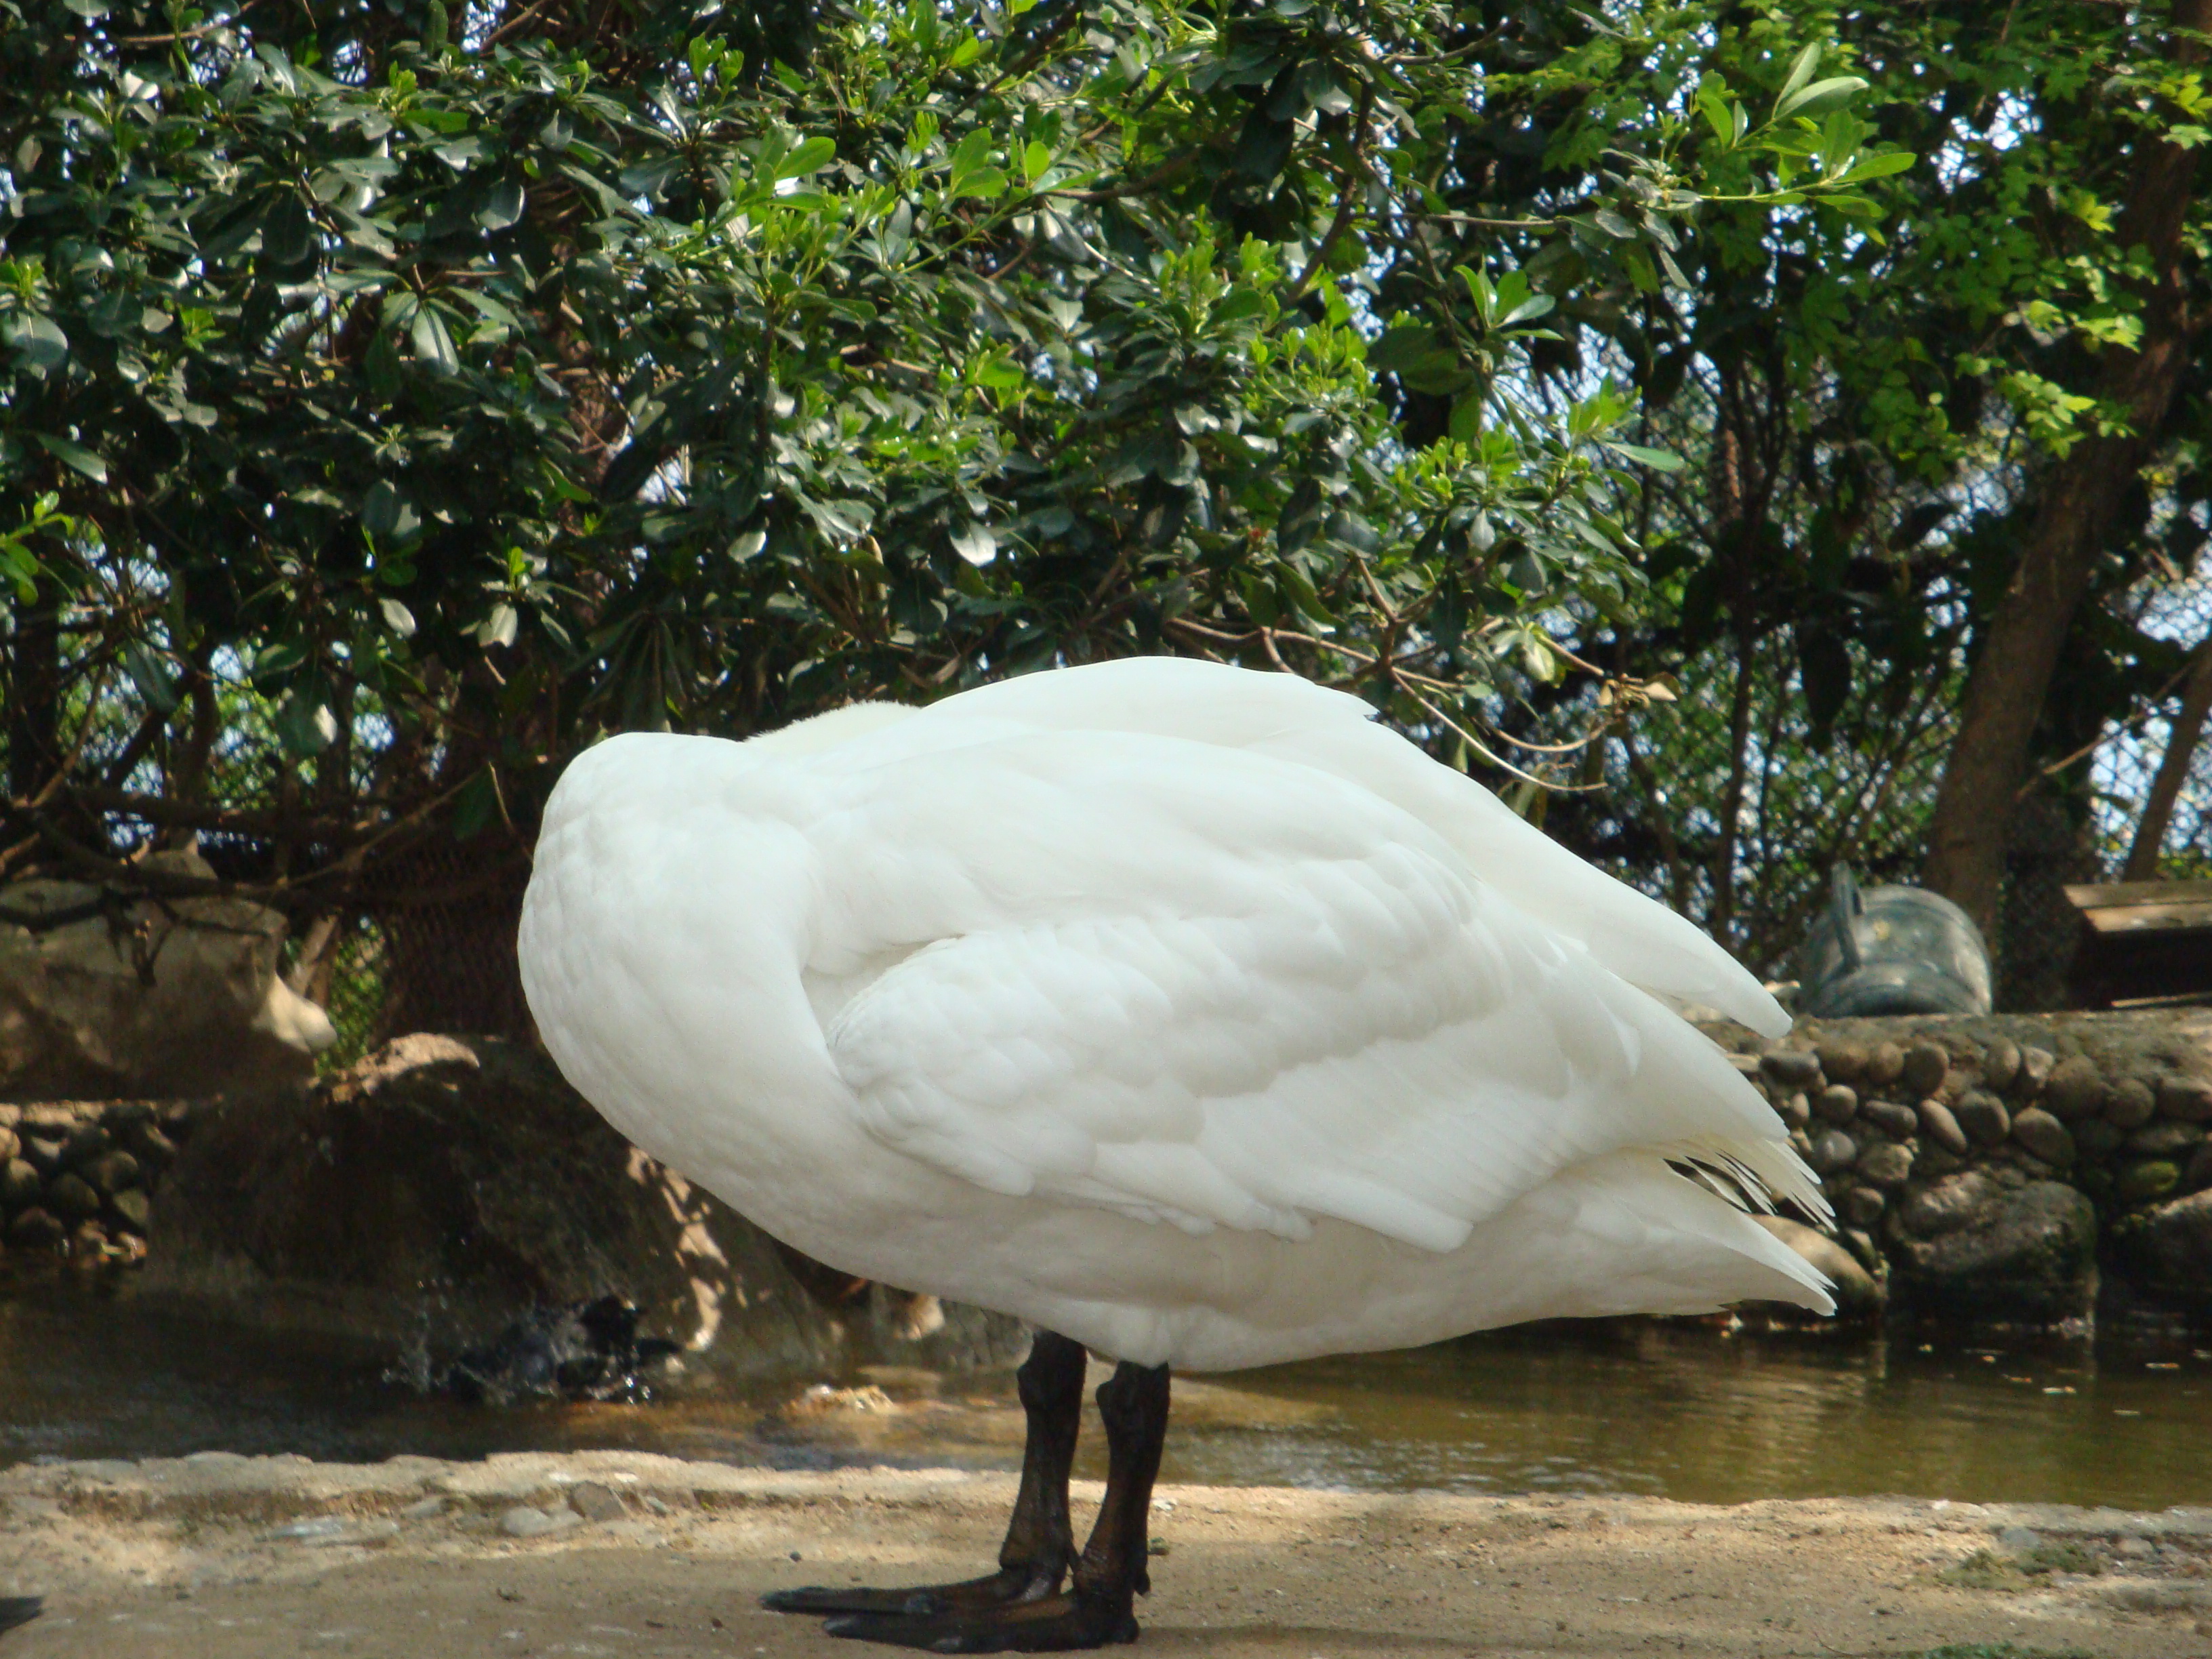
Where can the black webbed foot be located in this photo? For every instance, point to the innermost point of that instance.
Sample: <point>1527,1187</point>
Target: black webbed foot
<point>1060,1624</point>
<point>999,1589</point>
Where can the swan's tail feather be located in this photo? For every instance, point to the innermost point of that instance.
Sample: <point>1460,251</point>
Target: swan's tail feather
<point>1757,1175</point>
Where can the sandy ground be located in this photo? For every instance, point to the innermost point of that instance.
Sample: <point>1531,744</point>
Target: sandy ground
<point>221,1555</point>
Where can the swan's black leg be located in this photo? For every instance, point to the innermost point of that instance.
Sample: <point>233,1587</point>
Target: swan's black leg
<point>1099,1608</point>
<point>1040,1543</point>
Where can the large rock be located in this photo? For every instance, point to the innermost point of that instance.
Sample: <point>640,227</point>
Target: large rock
<point>103,995</point>
<point>2026,1253</point>
<point>2167,1250</point>
<point>430,1197</point>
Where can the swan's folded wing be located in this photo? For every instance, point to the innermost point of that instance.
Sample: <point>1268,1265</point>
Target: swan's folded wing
<point>1224,992</point>
<point>1281,714</point>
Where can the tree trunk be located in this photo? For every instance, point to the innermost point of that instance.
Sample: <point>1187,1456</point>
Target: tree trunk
<point>2075,507</point>
<point>33,699</point>
<point>2172,769</point>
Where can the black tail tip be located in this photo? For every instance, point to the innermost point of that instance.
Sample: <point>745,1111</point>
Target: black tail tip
<point>19,1610</point>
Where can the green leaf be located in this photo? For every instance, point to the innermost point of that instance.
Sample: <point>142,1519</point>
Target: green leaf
<point>73,455</point>
<point>975,544</point>
<point>502,205</point>
<point>39,342</point>
<point>1820,97</point>
<point>433,344</point>
<point>1801,71</point>
<point>1880,167</point>
<point>153,680</point>
<point>811,157</point>
<point>1659,460</point>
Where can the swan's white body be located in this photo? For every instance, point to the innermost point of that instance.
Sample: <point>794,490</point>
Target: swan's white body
<point>1179,1009</point>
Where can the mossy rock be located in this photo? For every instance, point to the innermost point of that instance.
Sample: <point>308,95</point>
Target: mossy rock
<point>2139,1183</point>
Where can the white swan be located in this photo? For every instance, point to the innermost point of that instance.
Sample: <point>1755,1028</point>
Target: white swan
<point>1181,1010</point>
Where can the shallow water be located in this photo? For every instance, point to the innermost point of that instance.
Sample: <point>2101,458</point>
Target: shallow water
<point>1682,1411</point>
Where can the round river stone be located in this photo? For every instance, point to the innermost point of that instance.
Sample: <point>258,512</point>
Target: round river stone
<point>1984,1116</point>
<point>1834,1152</point>
<point>2131,1105</point>
<point>2074,1089</point>
<point>1924,1069</point>
<point>1793,1068</point>
<point>1887,1164</point>
<point>2000,1065</point>
<point>1838,1102</point>
<point>1843,1061</point>
<point>2042,1135</point>
<point>1900,1122</point>
<point>2186,1099</point>
<point>1937,1123</point>
<point>1885,1063</point>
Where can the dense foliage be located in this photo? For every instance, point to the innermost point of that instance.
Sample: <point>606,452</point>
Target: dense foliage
<point>393,399</point>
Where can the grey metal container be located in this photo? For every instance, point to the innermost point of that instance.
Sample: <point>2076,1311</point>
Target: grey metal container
<point>1891,951</point>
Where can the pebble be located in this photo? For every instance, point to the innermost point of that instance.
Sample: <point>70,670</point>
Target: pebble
<point>2166,1140</point>
<point>2188,1099</point>
<point>1862,1206</point>
<point>1984,1117</point>
<point>1832,1151</point>
<point>1837,1103</point>
<point>2035,1065</point>
<point>423,1508</point>
<point>1941,1126</point>
<point>2000,1065</point>
<point>20,1185</point>
<point>2074,1089</point>
<point>36,1229</point>
<point>1887,1164</point>
<point>1925,1067</point>
<point>43,1153</point>
<point>2042,1135</point>
<point>1796,1112</point>
<point>86,1142</point>
<point>1897,1122</point>
<point>10,1144</point>
<point>1841,1061</point>
<point>111,1172</point>
<point>2131,1105</point>
<point>1793,1068</point>
<point>70,1196</point>
<point>1884,1064</point>
<point>132,1209</point>
<point>596,1502</point>
<point>2019,1541</point>
<point>527,1521</point>
<point>155,1148</point>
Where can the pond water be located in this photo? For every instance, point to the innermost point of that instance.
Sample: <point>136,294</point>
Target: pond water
<point>1679,1410</point>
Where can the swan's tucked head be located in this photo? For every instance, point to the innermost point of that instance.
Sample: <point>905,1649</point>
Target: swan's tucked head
<point>820,731</point>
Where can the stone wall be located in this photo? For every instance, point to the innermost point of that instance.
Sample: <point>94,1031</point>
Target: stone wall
<point>79,1176</point>
<point>1981,1167</point>
<point>1996,1166</point>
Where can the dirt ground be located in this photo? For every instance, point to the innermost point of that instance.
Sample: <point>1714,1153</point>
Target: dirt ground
<point>640,1555</point>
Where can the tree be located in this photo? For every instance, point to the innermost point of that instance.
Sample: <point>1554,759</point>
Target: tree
<point>388,411</point>
<point>2079,492</point>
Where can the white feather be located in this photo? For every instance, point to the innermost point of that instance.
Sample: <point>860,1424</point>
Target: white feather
<point>1180,1009</point>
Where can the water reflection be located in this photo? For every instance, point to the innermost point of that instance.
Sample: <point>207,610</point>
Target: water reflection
<point>1683,1411</point>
